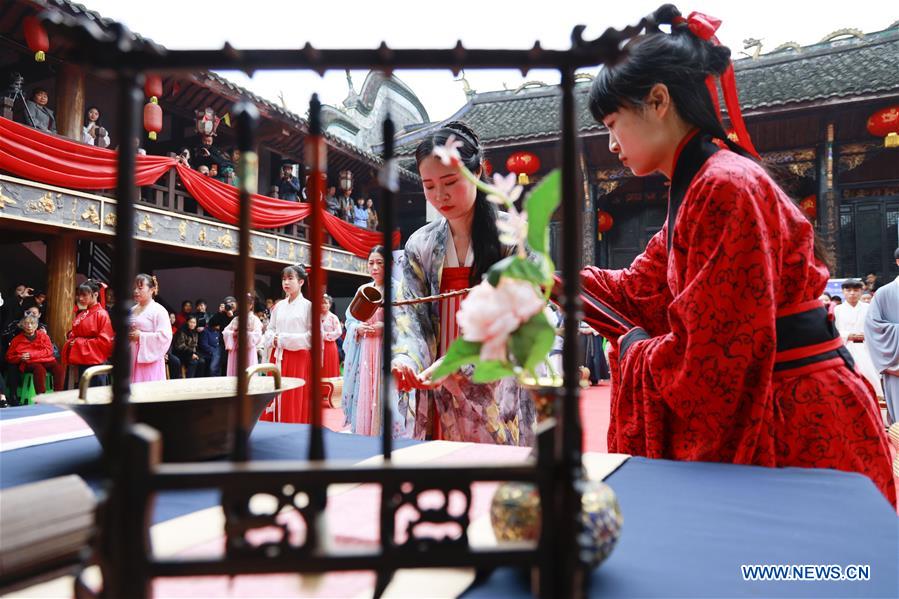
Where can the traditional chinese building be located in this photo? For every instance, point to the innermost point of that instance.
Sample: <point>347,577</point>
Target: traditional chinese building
<point>53,236</point>
<point>807,109</point>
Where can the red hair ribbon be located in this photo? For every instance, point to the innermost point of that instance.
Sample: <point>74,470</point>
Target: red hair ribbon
<point>102,297</point>
<point>704,27</point>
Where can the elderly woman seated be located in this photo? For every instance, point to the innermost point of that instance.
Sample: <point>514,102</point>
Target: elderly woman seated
<point>32,351</point>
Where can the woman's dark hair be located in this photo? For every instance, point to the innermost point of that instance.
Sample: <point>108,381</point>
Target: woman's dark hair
<point>89,286</point>
<point>89,108</point>
<point>484,234</point>
<point>149,281</point>
<point>378,249</point>
<point>681,61</point>
<point>298,270</point>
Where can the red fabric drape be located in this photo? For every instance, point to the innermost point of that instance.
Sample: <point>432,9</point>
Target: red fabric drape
<point>220,200</point>
<point>59,161</point>
<point>355,239</point>
<point>56,160</point>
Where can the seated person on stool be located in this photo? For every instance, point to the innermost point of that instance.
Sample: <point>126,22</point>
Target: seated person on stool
<point>209,347</point>
<point>185,347</point>
<point>32,351</point>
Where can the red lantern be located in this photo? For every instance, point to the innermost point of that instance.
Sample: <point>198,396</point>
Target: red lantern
<point>523,164</point>
<point>36,38</point>
<point>604,222</point>
<point>153,86</point>
<point>152,118</point>
<point>488,167</point>
<point>885,123</point>
<point>809,207</point>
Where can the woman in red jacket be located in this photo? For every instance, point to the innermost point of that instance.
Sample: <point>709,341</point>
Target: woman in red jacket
<point>32,351</point>
<point>90,341</point>
<point>722,351</point>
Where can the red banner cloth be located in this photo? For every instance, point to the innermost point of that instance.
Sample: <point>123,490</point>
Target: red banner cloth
<point>55,160</point>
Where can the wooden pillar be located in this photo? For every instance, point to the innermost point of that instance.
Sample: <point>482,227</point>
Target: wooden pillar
<point>828,200</point>
<point>70,101</point>
<point>61,251</point>
<point>589,218</point>
<point>6,107</point>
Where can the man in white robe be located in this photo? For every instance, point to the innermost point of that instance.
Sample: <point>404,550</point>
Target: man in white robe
<point>882,339</point>
<point>850,322</point>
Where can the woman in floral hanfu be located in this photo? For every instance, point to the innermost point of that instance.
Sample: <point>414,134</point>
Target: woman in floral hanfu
<point>451,253</point>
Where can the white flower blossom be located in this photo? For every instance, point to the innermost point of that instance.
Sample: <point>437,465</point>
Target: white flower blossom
<point>513,229</point>
<point>448,153</point>
<point>507,188</point>
<point>485,315</point>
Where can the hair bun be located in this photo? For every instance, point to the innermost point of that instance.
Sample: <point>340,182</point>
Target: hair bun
<point>665,14</point>
<point>718,59</point>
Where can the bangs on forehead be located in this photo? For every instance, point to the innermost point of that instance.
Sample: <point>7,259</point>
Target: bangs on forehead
<point>606,96</point>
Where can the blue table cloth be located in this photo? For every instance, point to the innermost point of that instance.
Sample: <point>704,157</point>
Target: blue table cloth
<point>269,441</point>
<point>688,527</point>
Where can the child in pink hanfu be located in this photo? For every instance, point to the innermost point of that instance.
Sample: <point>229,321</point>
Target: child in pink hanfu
<point>151,332</point>
<point>254,333</point>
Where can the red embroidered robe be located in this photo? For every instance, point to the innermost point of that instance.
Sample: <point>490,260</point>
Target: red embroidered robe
<point>695,378</point>
<point>91,339</point>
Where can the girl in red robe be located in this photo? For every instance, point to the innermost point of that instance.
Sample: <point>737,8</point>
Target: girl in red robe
<point>90,341</point>
<point>722,351</point>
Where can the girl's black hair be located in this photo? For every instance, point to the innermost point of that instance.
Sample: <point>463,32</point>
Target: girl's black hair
<point>89,108</point>
<point>89,286</point>
<point>298,270</point>
<point>681,61</point>
<point>484,234</point>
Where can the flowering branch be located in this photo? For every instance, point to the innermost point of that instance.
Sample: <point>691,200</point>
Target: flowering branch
<point>505,330</point>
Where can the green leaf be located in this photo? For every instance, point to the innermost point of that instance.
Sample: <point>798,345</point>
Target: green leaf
<point>460,353</point>
<point>491,370</point>
<point>516,267</point>
<point>540,205</point>
<point>532,342</point>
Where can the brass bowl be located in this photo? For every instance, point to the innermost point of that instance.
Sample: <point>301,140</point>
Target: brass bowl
<point>195,417</point>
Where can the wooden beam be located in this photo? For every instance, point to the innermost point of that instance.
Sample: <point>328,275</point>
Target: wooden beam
<point>70,91</point>
<point>61,250</point>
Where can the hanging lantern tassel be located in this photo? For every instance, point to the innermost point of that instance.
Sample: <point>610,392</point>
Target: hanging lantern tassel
<point>523,164</point>
<point>152,118</point>
<point>36,38</point>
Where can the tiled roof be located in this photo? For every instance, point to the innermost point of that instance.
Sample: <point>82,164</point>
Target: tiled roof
<point>837,69</point>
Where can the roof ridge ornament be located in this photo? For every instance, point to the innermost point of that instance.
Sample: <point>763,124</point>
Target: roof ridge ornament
<point>787,46</point>
<point>751,42</point>
<point>846,31</point>
<point>466,86</point>
<point>530,85</point>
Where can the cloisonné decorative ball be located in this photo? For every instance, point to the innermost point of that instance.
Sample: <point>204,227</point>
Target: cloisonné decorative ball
<point>515,516</point>
<point>515,512</point>
<point>601,519</point>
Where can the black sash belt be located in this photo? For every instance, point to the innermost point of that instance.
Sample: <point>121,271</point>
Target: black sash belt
<point>806,335</point>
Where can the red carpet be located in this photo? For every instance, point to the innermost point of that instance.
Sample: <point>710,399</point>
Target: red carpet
<point>595,408</point>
